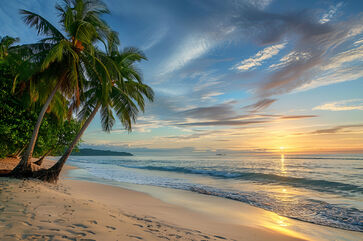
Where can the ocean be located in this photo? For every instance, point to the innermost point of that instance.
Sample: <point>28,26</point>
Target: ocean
<point>320,189</point>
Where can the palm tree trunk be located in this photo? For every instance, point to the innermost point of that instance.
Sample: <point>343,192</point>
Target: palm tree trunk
<point>24,164</point>
<point>20,151</point>
<point>40,161</point>
<point>52,174</point>
<point>17,153</point>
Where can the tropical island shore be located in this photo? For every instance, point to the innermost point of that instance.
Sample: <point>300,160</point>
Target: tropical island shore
<point>78,210</point>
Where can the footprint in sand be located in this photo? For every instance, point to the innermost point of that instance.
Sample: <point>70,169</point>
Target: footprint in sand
<point>205,236</point>
<point>164,237</point>
<point>54,229</point>
<point>80,225</point>
<point>135,237</point>
<point>27,223</point>
<point>110,227</point>
<point>89,231</point>
<point>76,233</point>
<point>220,237</point>
<point>92,221</point>
<point>153,230</point>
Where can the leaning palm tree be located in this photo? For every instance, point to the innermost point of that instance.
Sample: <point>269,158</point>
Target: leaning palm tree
<point>113,84</point>
<point>62,55</point>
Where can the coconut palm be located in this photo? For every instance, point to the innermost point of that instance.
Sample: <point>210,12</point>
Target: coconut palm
<point>62,55</point>
<point>6,44</point>
<point>114,85</point>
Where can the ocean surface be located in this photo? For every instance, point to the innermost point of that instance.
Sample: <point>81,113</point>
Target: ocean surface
<point>320,189</point>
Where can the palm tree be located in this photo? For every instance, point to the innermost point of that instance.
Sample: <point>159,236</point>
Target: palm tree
<point>62,55</point>
<point>114,84</point>
<point>6,44</point>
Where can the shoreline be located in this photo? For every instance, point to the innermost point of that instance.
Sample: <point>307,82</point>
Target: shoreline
<point>76,210</point>
<point>228,211</point>
<point>145,214</point>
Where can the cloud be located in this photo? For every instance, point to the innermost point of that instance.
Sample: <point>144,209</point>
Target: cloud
<point>196,135</point>
<point>342,67</point>
<point>191,48</point>
<point>290,58</point>
<point>260,105</point>
<point>199,27</point>
<point>156,37</point>
<point>257,60</point>
<point>353,54</point>
<point>217,112</point>
<point>333,77</point>
<point>289,117</point>
<point>208,96</point>
<point>224,123</point>
<point>313,45</point>
<point>336,129</point>
<point>330,14</point>
<point>343,105</point>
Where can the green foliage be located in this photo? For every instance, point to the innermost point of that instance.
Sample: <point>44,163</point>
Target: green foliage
<point>93,152</point>
<point>70,63</point>
<point>17,121</point>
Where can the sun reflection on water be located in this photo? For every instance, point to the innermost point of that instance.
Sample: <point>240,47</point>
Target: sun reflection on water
<point>282,225</point>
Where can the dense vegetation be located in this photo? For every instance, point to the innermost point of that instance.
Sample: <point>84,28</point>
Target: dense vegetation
<point>93,152</point>
<point>63,76</point>
<point>17,120</point>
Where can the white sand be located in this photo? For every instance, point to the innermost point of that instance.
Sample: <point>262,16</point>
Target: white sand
<point>77,210</point>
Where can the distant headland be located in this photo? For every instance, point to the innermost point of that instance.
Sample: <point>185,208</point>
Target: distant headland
<point>93,152</point>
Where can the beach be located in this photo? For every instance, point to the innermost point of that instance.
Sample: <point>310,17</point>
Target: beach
<point>181,120</point>
<point>86,210</point>
<point>78,210</point>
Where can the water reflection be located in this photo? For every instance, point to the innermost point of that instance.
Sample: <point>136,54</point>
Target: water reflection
<point>282,160</point>
<point>282,225</point>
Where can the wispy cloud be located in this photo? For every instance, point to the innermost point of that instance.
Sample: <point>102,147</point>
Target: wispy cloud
<point>260,105</point>
<point>291,57</point>
<point>293,117</point>
<point>155,38</point>
<point>192,48</point>
<point>337,129</point>
<point>330,14</point>
<point>216,112</point>
<point>210,95</point>
<point>224,123</point>
<point>258,59</point>
<point>343,105</point>
<point>312,45</point>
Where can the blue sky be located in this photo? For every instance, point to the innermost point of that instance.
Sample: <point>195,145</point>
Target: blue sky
<point>235,75</point>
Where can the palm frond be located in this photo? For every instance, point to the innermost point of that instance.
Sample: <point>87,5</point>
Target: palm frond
<point>55,54</point>
<point>41,24</point>
<point>107,119</point>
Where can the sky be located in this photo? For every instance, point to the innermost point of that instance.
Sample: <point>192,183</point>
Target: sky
<point>245,76</point>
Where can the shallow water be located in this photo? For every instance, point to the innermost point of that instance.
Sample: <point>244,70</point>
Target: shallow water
<point>321,189</point>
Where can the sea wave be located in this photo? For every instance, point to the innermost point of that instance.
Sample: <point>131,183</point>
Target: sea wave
<point>315,184</point>
<point>308,210</point>
<point>304,209</point>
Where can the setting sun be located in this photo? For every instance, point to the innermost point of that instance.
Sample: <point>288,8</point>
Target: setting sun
<point>239,119</point>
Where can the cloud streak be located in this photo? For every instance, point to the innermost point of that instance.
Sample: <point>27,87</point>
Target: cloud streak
<point>257,60</point>
<point>224,123</point>
<point>336,129</point>
<point>314,44</point>
<point>260,105</point>
<point>343,105</point>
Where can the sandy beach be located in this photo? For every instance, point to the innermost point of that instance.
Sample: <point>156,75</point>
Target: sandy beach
<point>189,120</point>
<point>78,210</point>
